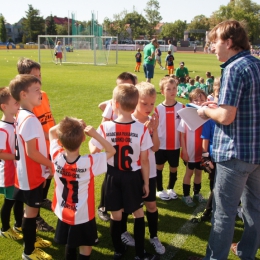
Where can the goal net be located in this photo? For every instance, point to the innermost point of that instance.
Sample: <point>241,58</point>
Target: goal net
<point>81,49</point>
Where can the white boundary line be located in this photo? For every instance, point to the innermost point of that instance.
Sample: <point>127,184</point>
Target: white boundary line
<point>182,234</point>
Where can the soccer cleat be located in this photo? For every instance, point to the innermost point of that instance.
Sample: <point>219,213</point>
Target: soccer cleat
<point>172,194</point>
<point>37,254</point>
<point>40,242</point>
<point>10,233</point>
<point>188,201</point>
<point>43,226</point>
<point>103,215</point>
<point>159,248</point>
<point>127,239</point>
<point>199,198</point>
<point>162,195</point>
<point>17,229</point>
<point>202,216</point>
<point>240,212</point>
<point>46,204</point>
<point>147,256</point>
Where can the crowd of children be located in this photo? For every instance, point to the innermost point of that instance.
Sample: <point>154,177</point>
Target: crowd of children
<point>138,140</point>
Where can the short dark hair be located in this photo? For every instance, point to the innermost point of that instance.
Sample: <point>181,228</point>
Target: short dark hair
<point>233,30</point>
<point>4,96</point>
<point>128,76</point>
<point>21,83</point>
<point>70,133</point>
<point>25,66</point>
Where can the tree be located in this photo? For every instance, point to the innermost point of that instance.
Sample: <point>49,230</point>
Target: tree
<point>241,10</point>
<point>33,24</point>
<point>117,26</point>
<point>137,24</point>
<point>109,27</point>
<point>3,35</point>
<point>62,29</point>
<point>199,22</point>
<point>152,15</point>
<point>173,30</point>
<point>51,26</point>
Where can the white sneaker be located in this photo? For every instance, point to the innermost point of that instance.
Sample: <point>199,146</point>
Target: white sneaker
<point>240,212</point>
<point>172,194</point>
<point>159,248</point>
<point>127,239</point>
<point>163,195</point>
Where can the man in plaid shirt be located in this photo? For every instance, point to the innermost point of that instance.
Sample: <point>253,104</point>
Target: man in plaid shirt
<point>236,144</point>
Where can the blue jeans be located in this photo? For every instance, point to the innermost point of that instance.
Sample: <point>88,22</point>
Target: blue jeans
<point>148,70</point>
<point>235,179</point>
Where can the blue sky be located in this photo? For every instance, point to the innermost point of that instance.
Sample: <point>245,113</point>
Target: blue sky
<point>171,10</point>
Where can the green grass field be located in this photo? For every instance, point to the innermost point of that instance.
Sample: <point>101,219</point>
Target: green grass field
<point>76,90</point>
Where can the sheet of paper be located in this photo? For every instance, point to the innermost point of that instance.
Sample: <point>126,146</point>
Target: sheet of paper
<point>191,118</point>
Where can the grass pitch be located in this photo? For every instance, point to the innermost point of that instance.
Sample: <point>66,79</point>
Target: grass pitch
<point>76,90</point>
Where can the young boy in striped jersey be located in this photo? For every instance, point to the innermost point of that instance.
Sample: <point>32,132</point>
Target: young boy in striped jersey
<point>126,183</point>
<point>44,114</point>
<point>169,137</point>
<point>191,144</point>
<point>9,106</point>
<point>109,114</point>
<point>73,201</point>
<point>31,161</point>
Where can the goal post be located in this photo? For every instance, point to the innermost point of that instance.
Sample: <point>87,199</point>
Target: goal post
<point>79,49</point>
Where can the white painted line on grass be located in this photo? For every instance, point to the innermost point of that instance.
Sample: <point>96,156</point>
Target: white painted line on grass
<point>182,234</point>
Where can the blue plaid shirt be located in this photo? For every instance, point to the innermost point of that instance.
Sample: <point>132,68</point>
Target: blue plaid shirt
<point>240,87</point>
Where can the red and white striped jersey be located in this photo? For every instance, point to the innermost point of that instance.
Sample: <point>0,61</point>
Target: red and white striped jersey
<point>29,174</point>
<point>74,200</point>
<point>7,167</point>
<point>168,122</point>
<point>193,141</point>
<point>129,139</point>
<point>108,112</point>
<point>151,157</point>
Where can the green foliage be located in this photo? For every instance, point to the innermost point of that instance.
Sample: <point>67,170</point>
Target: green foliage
<point>50,26</point>
<point>137,22</point>
<point>152,15</point>
<point>173,30</point>
<point>62,29</point>
<point>3,34</point>
<point>33,24</point>
<point>242,10</point>
<point>199,22</point>
<point>24,39</point>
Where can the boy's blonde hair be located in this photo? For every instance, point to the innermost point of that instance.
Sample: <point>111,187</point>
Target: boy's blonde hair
<point>127,96</point>
<point>197,93</point>
<point>165,81</point>
<point>201,80</point>
<point>145,89</point>
<point>4,96</point>
<point>25,66</point>
<point>70,133</point>
<point>21,83</point>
